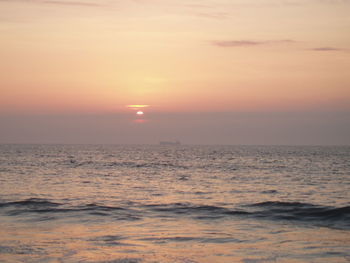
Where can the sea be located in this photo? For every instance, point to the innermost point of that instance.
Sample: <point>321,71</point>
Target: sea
<point>174,203</point>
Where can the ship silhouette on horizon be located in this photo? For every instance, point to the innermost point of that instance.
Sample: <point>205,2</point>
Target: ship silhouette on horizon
<point>169,143</point>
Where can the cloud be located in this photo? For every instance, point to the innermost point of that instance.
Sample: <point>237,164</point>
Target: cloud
<point>334,1</point>
<point>72,3</point>
<point>236,43</point>
<point>248,43</point>
<point>325,49</point>
<point>62,2</point>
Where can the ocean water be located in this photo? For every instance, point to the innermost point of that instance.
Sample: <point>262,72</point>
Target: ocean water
<point>153,204</point>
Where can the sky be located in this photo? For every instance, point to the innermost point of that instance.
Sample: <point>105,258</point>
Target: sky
<point>209,71</point>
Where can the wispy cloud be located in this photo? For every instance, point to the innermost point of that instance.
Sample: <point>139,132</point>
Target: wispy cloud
<point>325,49</point>
<point>248,43</point>
<point>334,1</point>
<point>235,43</point>
<point>72,3</point>
<point>58,2</point>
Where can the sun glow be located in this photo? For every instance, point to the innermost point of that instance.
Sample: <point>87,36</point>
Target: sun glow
<point>139,113</point>
<point>137,106</point>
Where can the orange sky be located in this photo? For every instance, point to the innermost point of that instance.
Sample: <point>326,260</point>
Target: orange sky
<point>95,56</point>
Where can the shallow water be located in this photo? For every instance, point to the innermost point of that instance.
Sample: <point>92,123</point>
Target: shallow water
<point>100,203</point>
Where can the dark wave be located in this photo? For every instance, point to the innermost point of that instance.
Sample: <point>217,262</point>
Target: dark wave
<point>280,204</point>
<point>335,217</point>
<point>190,239</point>
<point>43,207</point>
<point>305,209</point>
<point>196,211</point>
<point>32,202</point>
<point>322,215</point>
<point>132,164</point>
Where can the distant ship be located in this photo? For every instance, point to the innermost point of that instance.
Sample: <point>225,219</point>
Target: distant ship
<point>169,143</point>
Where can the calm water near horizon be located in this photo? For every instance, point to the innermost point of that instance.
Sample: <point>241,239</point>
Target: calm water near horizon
<point>182,204</point>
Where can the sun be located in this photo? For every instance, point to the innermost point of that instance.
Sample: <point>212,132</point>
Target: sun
<point>138,108</point>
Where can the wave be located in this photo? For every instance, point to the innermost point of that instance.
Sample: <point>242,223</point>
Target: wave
<point>196,210</point>
<point>306,210</point>
<point>334,217</point>
<point>297,211</point>
<point>131,164</point>
<point>30,203</point>
<point>203,239</point>
<point>42,206</point>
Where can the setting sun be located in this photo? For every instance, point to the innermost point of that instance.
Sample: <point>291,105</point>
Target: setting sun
<point>143,131</point>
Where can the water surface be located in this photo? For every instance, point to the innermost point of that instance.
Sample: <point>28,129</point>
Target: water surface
<point>103,203</point>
